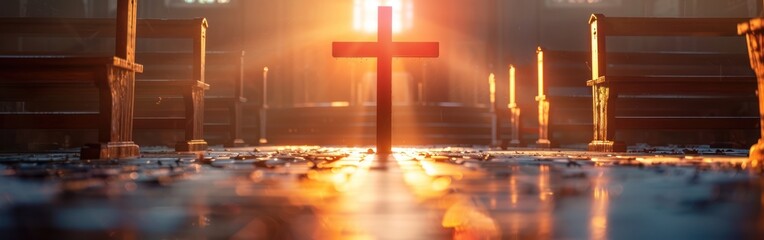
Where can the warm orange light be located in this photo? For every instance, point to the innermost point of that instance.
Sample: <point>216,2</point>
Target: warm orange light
<point>207,1</point>
<point>365,14</point>
<point>340,104</point>
<point>512,90</point>
<point>492,87</point>
<point>599,212</point>
<point>441,183</point>
<point>540,68</point>
<point>543,182</point>
<point>513,190</point>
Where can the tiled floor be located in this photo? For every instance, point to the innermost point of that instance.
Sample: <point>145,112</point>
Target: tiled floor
<point>346,193</point>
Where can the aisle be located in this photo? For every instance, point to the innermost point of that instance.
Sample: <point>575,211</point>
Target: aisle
<point>382,206</point>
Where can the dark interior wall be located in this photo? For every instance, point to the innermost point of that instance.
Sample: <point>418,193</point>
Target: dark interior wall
<point>291,37</point>
<point>63,8</point>
<point>11,9</point>
<point>225,22</point>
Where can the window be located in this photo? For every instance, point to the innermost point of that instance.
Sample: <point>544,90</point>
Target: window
<point>582,3</point>
<point>197,3</point>
<point>365,14</point>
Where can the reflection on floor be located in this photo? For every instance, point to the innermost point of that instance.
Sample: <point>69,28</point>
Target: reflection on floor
<point>424,193</point>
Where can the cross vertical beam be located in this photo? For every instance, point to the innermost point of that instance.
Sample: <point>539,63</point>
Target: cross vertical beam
<point>384,81</point>
<point>384,50</point>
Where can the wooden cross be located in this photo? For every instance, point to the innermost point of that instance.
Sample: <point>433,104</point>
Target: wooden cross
<point>384,50</point>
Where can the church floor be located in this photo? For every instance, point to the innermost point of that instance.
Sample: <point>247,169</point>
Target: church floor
<point>345,193</point>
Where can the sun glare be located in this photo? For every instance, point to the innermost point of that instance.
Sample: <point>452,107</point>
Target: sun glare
<point>365,14</point>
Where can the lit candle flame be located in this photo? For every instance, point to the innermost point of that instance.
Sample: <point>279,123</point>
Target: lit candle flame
<point>540,68</point>
<point>492,87</point>
<point>512,90</point>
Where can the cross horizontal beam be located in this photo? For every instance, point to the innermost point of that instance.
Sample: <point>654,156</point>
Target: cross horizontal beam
<point>372,49</point>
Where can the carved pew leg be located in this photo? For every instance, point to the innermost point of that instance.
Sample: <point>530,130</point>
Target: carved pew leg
<point>755,42</point>
<point>756,154</point>
<point>115,127</point>
<point>234,133</point>
<point>604,114</point>
<point>194,102</point>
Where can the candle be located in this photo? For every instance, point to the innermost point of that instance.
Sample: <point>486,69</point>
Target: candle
<point>512,89</point>
<point>494,117</point>
<point>263,109</point>
<point>492,87</point>
<point>265,87</point>
<point>540,68</point>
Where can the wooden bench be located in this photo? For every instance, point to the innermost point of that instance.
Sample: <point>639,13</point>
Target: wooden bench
<point>564,102</point>
<point>225,70</point>
<point>114,77</point>
<point>687,90</point>
<point>222,103</point>
<point>187,81</point>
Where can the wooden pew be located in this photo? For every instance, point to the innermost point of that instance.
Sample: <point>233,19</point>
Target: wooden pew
<point>224,71</point>
<point>688,90</point>
<point>564,102</point>
<point>186,80</point>
<point>114,76</point>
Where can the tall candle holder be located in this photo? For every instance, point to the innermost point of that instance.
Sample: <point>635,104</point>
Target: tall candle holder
<point>543,104</point>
